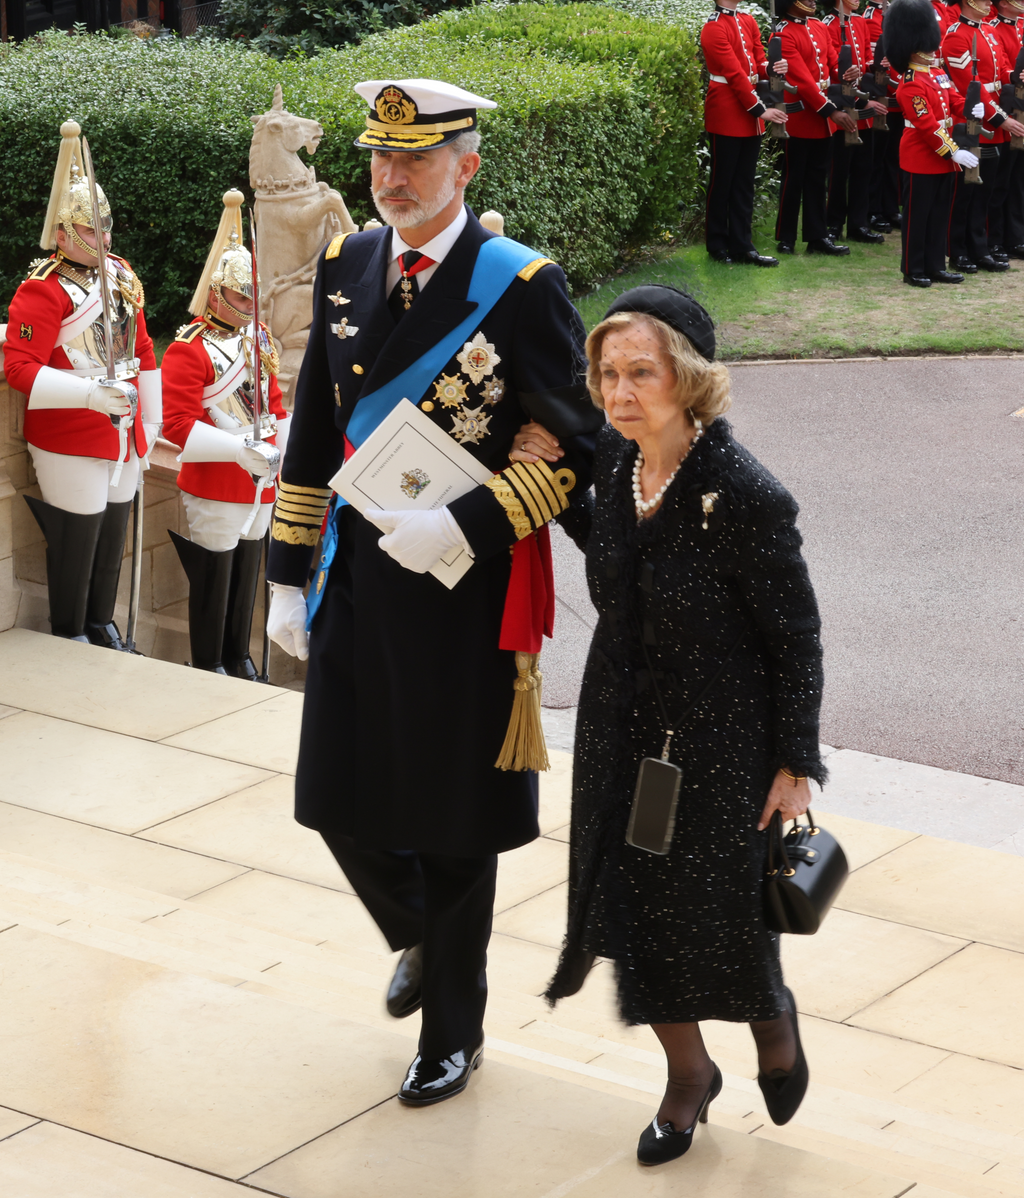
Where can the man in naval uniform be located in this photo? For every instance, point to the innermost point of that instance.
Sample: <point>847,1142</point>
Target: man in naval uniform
<point>85,433</point>
<point>408,695</point>
<point>227,478</point>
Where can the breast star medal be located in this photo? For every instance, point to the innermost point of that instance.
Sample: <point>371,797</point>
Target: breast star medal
<point>470,426</point>
<point>478,358</point>
<point>343,329</point>
<point>450,390</point>
<point>494,390</point>
<point>337,299</point>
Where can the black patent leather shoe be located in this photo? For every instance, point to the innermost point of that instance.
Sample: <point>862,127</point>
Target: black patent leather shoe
<point>724,258</point>
<point>917,280</point>
<point>881,225</point>
<point>753,258</point>
<point>966,266</point>
<point>947,276</point>
<point>999,253</point>
<point>1016,252</point>
<point>823,245</point>
<point>661,1142</point>
<point>405,994</point>
<point>785,247</point>
<point>783,1092</point>
<point>896,221</point>
<point>434,1081</point>
<point>987,262</point>
<point>867,236</point>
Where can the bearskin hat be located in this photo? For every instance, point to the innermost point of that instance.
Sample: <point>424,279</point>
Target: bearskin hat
<point>911,27</point>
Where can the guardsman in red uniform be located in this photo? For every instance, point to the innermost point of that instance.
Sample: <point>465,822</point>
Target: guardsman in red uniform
<point>85,433</point>
<point>946,14</point>
<point>1006,210</point>
<point>886,181</point>
<point>929,155</point>
<point>734,117</point>
<point>968,230</point>
<point>849,183</point>
<point>209,410</point>
<point>810,59</point>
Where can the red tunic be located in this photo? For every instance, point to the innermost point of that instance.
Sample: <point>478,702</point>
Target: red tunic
<point>859,39</point>
<point>992,70</point>
<point>735,60</point>
<point>1009,34</point>
<point>37,310</point>
<point>807,48</point>
<point>946,14</point>
<point>873,15</point>
<point>187,369</point>
<point>931,106</point>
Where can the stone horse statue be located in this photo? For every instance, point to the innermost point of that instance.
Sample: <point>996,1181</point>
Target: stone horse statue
<point>295,216</point>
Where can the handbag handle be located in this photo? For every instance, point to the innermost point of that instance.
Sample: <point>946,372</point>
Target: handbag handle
<point>778,858</point>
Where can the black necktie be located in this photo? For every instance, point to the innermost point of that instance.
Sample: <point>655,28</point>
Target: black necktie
<point>407,288</point>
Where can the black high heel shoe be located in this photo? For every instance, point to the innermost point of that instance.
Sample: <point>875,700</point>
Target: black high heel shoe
<point>661,1142</point>
<point>783,1092</point>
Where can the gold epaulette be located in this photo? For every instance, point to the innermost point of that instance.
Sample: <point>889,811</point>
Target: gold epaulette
<point>41,268</point>
<point>189,332</point>
<point>334,249</point>
<point>531,268</point>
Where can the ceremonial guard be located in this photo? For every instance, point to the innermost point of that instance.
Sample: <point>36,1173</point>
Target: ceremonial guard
<point>849,181</point>
<point>929,155</point>
<point>1006,210</point>
<point>84,429</point>
<point>972,52</point>
<point>811,60</point>
<point>946,14</point>
<point>410,688</point>
<point>734,117</point>
<point>227,477</point>
<point>886,181</point>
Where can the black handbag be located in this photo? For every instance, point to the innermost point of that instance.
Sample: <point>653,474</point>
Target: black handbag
<point>806,870</point>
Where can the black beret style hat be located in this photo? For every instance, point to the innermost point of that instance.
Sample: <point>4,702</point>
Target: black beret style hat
<point>677,309</point>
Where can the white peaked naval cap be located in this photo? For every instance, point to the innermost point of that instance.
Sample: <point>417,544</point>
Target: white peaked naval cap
<point>416,114</point>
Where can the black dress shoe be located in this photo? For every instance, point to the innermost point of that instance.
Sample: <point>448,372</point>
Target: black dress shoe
<point>866,235</point>
<point>881,225</point>
<point>965,265</point>
<point>999,253</point>
<point>661,1142</point>
<point>1016,251</point>
<point>917,280</point>
<point>783,1092</point>
<point>987,262</point>
<point>785,247</point>
<point>405,994</point>
<point>834,231</point>
<point>825,245</point>
<point>434,1081</point>
<point>726,258</point>
<point>755,259</point>
<point>947,276</point>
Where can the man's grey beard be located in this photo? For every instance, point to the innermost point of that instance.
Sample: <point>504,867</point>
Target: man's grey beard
<point>411,216</point>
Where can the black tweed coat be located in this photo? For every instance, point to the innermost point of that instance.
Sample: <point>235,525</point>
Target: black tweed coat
<point>686,929</point>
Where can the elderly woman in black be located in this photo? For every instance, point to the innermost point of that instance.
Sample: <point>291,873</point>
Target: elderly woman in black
<point>693,560</point>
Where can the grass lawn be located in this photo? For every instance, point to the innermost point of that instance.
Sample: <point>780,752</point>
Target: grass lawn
<point>815,307</point>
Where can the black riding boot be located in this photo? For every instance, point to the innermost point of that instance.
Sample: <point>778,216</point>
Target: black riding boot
<point>106,571</point>
<point>245,577</point>
<point>209,580</point>
<point>70,552</point>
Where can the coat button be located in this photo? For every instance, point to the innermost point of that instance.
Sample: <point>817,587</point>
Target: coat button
<point>357,369</point>
<point>427,405</point>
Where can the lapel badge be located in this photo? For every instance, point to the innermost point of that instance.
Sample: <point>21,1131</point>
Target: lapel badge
<point>494,390</point>
<point>469,426</point>
<point>478,358</point>
<point>344,329</point>
<point>337,299</point>
<point>450,390</point>
<point>337,395</point>
<point>707,502</point>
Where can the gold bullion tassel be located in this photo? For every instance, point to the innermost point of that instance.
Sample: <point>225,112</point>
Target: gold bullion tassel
<point>524,747</point>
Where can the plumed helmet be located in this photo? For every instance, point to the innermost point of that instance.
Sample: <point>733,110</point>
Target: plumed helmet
<point>229,263</point>
<point>911,27</point>
<point>70,200</point>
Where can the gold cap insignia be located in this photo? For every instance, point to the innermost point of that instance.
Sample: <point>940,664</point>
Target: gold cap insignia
<point>395,107</point>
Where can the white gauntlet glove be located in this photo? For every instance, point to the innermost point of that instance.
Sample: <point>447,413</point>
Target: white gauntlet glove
<point>978,111</point>
<point>966,159</point>
<point>119,399</point>
<point>417,540</point>
<point>286,620</point>
<point>258,457</point>
<point>61,389</point>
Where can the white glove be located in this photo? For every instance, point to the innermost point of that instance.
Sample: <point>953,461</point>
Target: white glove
<point>978,111</point>
<point>286,620</point>
<point>417,540</point>
<point>258,457</point>
<point>965,158</point>
<point>111,400</point>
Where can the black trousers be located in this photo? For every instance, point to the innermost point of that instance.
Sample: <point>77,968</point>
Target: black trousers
<point>730,206</point>
<point>444,903</point>
<point>1006,209</point>
<point>804,179</point>
<point>926,206</point>
<point>849,182</point>
<point>886,176</point>
<point>968,225</point>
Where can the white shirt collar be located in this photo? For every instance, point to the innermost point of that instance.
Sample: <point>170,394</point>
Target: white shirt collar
<point>438,246</point>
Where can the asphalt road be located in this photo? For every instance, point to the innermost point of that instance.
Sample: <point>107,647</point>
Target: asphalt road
<point>910,479</point>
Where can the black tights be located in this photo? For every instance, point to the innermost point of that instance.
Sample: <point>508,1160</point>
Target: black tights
<point>690,1069</point>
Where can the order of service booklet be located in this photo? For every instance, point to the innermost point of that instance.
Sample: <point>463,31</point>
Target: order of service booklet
<point>409,464</point>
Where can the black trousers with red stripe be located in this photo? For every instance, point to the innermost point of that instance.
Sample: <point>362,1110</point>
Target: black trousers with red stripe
<point>804,179</point>
<point>849,182</point>
<point>1006,209</point>
<point>886,176</point>
<point>730,206</point>
<point>927,200</point>
<point>968,225</point>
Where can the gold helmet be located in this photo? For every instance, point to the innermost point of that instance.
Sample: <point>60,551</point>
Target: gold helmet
<point>228,264</point>
<point>70,202</point>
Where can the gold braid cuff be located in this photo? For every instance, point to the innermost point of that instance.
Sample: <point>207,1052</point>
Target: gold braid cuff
<point>299,513</point>
<point>542,493</point>
<point>291,535</point>
<point>504,494</point>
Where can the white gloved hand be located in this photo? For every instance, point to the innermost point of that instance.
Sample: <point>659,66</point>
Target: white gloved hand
<point>111,400</point>
<point>286,620</point>
<point>417,540</point>
<point>259,458</point>
<point>978,111</point>
<point>965,158</point>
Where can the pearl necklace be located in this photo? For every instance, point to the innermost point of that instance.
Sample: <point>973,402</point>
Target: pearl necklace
<point>644,506</point>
